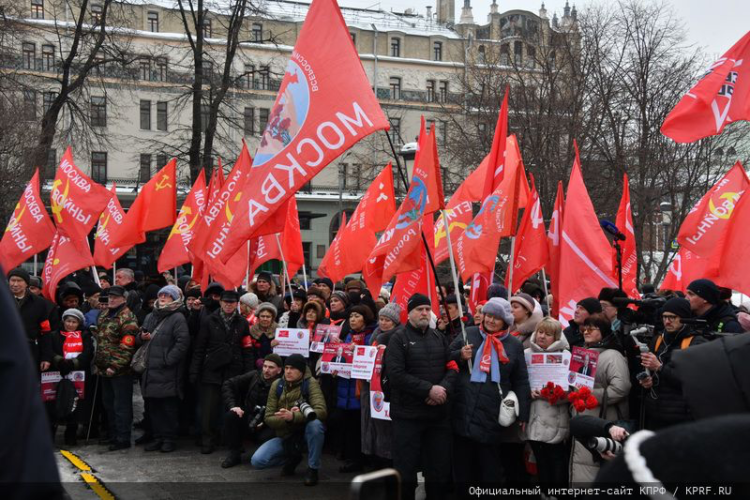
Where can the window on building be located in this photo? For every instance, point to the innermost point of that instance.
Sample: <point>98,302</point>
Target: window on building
<point>207,30</point>
<point>530,56</point>
<point>395,130</point>
<point>144,69</point>
<point>353,36</point>
<point>482,55</point>
<point>99,167</point>
<point>395,84</point>
<point>144,172</point>
<point>153,22</point>
<point>442,133</point>
<point>306,250</point>
<point>552,59</point>
<point>145,115</point>
<point>162,116</point>
<point>431,91</point>
<point>96,13</point>
<point>257,32</point>
<point>100,65</point>
<point>51,164</point>
<point>208,70</point>
<point>437,51</point>
<point>37,9</point>
<point>395,47</point>
<point>48,57</point>
<point>47,100</point>
<point>262,119</point>
<point>29,55</point>
<point>265,78</point>
<point>205,116</point>
<point>246,80</point>
<point>518,53</point>
<point>161,160</point>
<point>443,91</point>
<point>305,222</point>
<point>161,69</point>
<point>29,105</point>
<point>321,251</point>
<point>98,111</point>
<point>249,121</point>
<point>504,55</point>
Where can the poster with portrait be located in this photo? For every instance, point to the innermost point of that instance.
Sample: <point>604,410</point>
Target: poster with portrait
<point>337,360</point>
<point>363,362</point>
<point>583,367</point>
<point>50,380</point>
<point>379,407</point>
<point>324,334</point>
<point>292,341</point>
<point>546,367</point>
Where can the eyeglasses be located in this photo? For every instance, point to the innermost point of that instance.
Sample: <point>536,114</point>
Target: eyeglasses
<point>669,317</point>
<point>589,329</point>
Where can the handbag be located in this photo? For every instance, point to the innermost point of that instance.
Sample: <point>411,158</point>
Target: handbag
<point>509,408</point>
<point>139,363</point>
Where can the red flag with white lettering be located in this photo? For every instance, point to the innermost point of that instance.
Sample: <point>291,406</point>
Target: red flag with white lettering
<point>65,256</point>
<point>553,246</point>
<point>585,253</point>
<point>110,221</point>
<point>730,265</point>
<point>175,252</point>
<point>30,229</point>
<point>531,253</point>
<point>629,257</point>
<point>721,96</point>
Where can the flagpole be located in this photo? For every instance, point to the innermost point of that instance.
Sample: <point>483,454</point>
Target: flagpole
<point>94,274</point>
<point>247,271</point>
<point>36,263</point>
<point>455,279</point>
<point>304,275</point>
<point>546,293</point>
<point>510,267</point>
<point>283,261</point>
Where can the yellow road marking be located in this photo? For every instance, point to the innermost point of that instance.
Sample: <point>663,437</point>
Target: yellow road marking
<point>76,460</point>
<point>88,477</point>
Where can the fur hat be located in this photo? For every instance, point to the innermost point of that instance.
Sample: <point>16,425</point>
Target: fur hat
<point>312,304</point>
<point>500,308</point>
<point>496,290</point>
<point>354,284</point>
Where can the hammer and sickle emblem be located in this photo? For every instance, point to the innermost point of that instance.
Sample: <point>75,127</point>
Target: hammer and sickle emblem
<point>184,212</point>
<point>102,225</point>
<point>57,208</point>
<point>229,213</point>
<point>16,218</point>
<point>720,214</point>
<point>163,183</point>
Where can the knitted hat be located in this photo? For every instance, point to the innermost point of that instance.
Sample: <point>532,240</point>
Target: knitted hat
<point>250,300</point>
<point>679,307</point>
<point>35,281</point>
<point>324,281</point>
<point>76,314</point>
<point>417,300</point>
<point>296,361</point>
<point>19,273</point>
<point>591,304</point>
<point>230,296</point>
<point>525,300</point>
<point>341,296</point>
<point>705,289</point>
<point>266,306</point>
<point>193,292</point>
<point>354,284</point>
<point>264,276</point>
<point>500,308</point>
<point>392,311</point>
<point>496,290</point>
<point>363,311</point>
<point>274,358</point>
<point>172,291</point>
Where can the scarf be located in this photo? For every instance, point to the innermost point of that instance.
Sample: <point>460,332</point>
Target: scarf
<point>227,319</point>
<point>73,345</point>
<point>162,312</point>
<point>487,360</point>
<point>257,331</point>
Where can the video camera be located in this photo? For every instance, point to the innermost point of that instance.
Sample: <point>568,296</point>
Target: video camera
<point>260,413</point>
<point>701,327</point>
<point>648,311</point>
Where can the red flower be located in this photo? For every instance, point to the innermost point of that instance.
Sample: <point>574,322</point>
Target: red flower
<point>579,405</point>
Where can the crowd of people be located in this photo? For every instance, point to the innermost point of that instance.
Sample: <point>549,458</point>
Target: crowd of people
<point>204,364</point>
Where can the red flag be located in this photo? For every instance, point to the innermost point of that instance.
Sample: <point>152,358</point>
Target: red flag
<point>480,282</point>
<point>291,239</point>
<point>624,222</point>
<point>155,207</point>
<point>585,262</point>
<point>721,96</point>
<point>373,214</point>
<point>76,201</point>
<point>30,229</point>
<point>332,258</point>
<point>531,253</point>
<point>65,256</point>
<point>553,246</point>
<point>685,267</point>
<point>110,222</point>
<point>325,105</point>
<point>175,252</point>
<point>497,156</point>
<point>397,251</point>
<point>263,249</point>
<point>702,228</point>
<point>730,265</point>
<point>217,179</point>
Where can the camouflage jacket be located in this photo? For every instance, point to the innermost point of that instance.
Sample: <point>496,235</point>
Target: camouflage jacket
<point>115,338</point>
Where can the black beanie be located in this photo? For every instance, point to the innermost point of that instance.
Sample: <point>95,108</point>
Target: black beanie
<point>705,289</point>
<point>591,304</point>
<point>20,273</point>
<point>296,361</point>
<point>609,294</point>
<point>417,300</point>
<point>679,307</point>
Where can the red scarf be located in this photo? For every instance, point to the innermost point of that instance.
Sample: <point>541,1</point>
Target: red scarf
<point>73,344</point>
<point>493,339</point>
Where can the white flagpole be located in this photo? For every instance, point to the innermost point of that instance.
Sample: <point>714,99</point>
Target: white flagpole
<point>304,275</point>
<point>283,261</point>
<point>94,274</point>
<point>35,264</point>
<point>546,292</point>
<point>455,279</point>
<point>510,266</point>
<point>247,271</point>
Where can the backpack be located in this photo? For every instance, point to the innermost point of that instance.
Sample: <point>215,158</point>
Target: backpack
<point>305,389</point>
<point>66,399</point>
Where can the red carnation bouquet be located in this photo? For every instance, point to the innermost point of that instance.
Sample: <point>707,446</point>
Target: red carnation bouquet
<point>583,399</point>
<point>552,393</point>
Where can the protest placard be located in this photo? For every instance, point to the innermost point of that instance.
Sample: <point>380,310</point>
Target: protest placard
<point>546,367</point>
<point>583,367</point>
<point>292,341</point>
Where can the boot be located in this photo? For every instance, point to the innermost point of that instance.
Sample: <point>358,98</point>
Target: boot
<point>311,478</point>
<point>145,438</point>
<point>168,447</point>
<point>153,446</point>
<point>234,458</point>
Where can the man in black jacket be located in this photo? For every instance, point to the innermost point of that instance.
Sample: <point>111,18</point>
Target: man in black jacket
<point>705,302</point>
<point>245,397</point>
<point>421,378</point>
<point>34,310</point>
<point>585,308</point>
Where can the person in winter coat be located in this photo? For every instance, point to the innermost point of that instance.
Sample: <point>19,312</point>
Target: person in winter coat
<point>339,303</point>
<point>166,331</point>
<point>548,427</point>
<point>264,288</point>
<point>706,304</point>
<point>263,332</point>
<point>452,315</point>
<point>313,314</point>
<point>248,305</point>
<point>527,313</point>
<point>223,350</point>
<point>664,403</point>
<point>584,308</point>
<point>480,443</point>
<point>294,302</point>
<point>377,435</point>
<point>612,379</point>
<point>245,397</point>
<point>66,350</point>
<point>37,313</point>
<point>421,374</point>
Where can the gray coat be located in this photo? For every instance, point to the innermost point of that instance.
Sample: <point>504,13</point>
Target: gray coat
<point>547,423</point>
<point>166,356</point>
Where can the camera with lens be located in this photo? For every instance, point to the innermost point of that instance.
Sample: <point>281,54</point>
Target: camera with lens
<point>603,445</point>
<point>307,411</point>
<point>260,413</point>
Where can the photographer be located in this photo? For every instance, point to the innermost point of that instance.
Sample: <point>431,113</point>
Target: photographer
<point>601,437</point>
<point>664,403</point>
<point>245,398</point>
<point>288,413</point>
<point>706,303</point>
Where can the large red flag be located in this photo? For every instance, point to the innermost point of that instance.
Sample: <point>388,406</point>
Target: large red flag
<point>76,201</point>
<point>397,251</point>
<point>262,249</point>
<point>629,257</point>
<point>531,252</point>
<point>373,214</point>
<point>217,179</point>
<point>701,230</point>
<point>730,265</point>
<point>65,256</point>
<point>553,246</point>
<point>175,252</point>
<point>291,239</point>
<point>155,207</point>
<point>325,105</point>
<point>721,96</point>
<point>110,221</point>
<point>685,267</point>
<point>496,159</point>
<point>585,253</point>
<point>30,229</point>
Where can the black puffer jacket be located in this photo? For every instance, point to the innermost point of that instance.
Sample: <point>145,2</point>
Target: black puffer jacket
<point>573,335</point>
<point>211,335</point>
<point>722,318</point>
<point>476,405</point>
<point>246,391</point>
<point>416,360</point>
<point>167,354</point>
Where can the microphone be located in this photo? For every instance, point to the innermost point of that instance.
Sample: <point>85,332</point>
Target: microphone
<point>612,229</point>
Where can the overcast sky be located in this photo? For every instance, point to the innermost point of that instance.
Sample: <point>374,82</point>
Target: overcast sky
<point>713,24</point>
